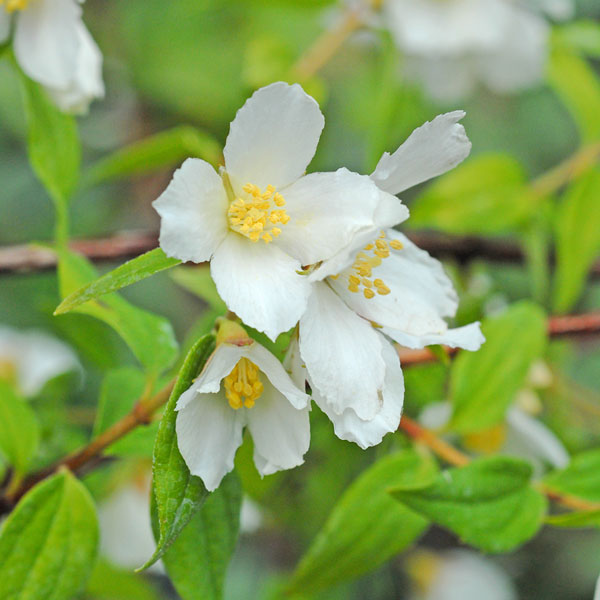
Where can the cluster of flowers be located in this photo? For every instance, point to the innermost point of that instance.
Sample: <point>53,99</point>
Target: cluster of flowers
<point>316,253</point>
<point>54,48</point>
<point>451,46</point>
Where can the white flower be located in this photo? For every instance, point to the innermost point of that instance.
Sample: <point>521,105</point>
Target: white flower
<point>29,359</point>
<point>257,393</point>
<point>54,48</point>
<point>452,45</point>
<point>125,532</point>
<point>458,575</point>
<point>352,368</point>
<point>521,435</point>
<point>260,220</point>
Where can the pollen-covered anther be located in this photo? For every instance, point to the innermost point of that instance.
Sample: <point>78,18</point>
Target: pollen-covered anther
<point>243,385</point>
<point>368,259</point>
<point>256,215</point>
<point>13,5</point>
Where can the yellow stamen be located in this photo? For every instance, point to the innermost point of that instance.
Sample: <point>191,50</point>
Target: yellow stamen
<point>8,371</point>
<point>254,216</point>
<point>243,385</point>
<point>368,259</point>
<point>13,5</point>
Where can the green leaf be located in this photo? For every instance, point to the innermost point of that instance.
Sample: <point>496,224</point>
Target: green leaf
<point>54,150</point>
<point>580,478</point>
<point>149,336</point>
<point>579,89</point>
<point>177,492</point>
<point>579,36</point>
<point>132,271</point>
<point>198,281</point>
<point>488,503</point>
<point>577,239</point>
<point>366,527</point>
<point>487,194</point>
<point>484,383</point>
<point>48,544</point>
<point>19,429</point>
<point>110,583</point>
<point>584,518</point>
<point>198,559</point>
<point>121,389</point>
<point>154,152</point>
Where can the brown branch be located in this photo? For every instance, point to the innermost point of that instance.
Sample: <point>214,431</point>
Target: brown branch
<point>568,325</point>
<point>455,457</point>
<point>124,245</point>
<point>141,414</point>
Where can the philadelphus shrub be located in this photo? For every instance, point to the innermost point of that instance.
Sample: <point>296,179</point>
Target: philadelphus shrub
<point>452,45</point>
<point>54,48</point>
<point>317,251</point>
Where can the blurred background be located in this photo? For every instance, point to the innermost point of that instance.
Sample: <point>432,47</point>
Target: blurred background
<point>193,63</point>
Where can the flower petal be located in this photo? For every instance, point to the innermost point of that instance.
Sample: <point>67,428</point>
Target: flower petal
<point>519,62</point>
<point>86,83</point>
<point>193,211</point>
<point>429,151</point>
<point>529,438</point>
<point>4,25</point>
<point>281,433</point>
<point>273,137</point>
<point>46,42</point>
<point>209,432</point>
<point>327,211</point>
<point>219,365</point>
<point>276,374</point>
<point>389,212</point>
<point>342,353</point>
<point>348,426</point>
<point>421,293</point>
<point>468,337</point>
<point>259,283</point>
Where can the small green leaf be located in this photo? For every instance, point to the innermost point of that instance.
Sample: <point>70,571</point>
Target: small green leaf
<point>489,503</point>
<point>197,561</point>
<point>579,519</point>
<point>19,429</point>
<point>48,544</point>
<point>110,583</point>
<point>132,271</point>
<point>487,194</point>
<point>577,239</point>
<point>366,527</point>
<point>580,478</point>
<point>154,152</point>
<point>578,87</point>
<point>579,36</point>
<point>198,281</point>
<point>121,389</point>
<point>54,150</point>
<point>149,336</point>
<point>484,383</point>
<point>177,492</point>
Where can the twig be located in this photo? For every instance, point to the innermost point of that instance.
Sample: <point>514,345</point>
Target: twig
<point>568,325</point>
<point>141,414</point>
<point>325,47</point>
<point>128,244</point>
<point>455,457</point>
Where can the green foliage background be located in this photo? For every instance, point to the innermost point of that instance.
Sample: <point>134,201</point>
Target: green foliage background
<point>176,73</point>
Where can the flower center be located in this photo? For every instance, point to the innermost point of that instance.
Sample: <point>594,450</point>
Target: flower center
<point>13,5</point>
<point>8,371</point>
<point>243,385</point>
<point>258,215</point>
<point>371,257</point>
